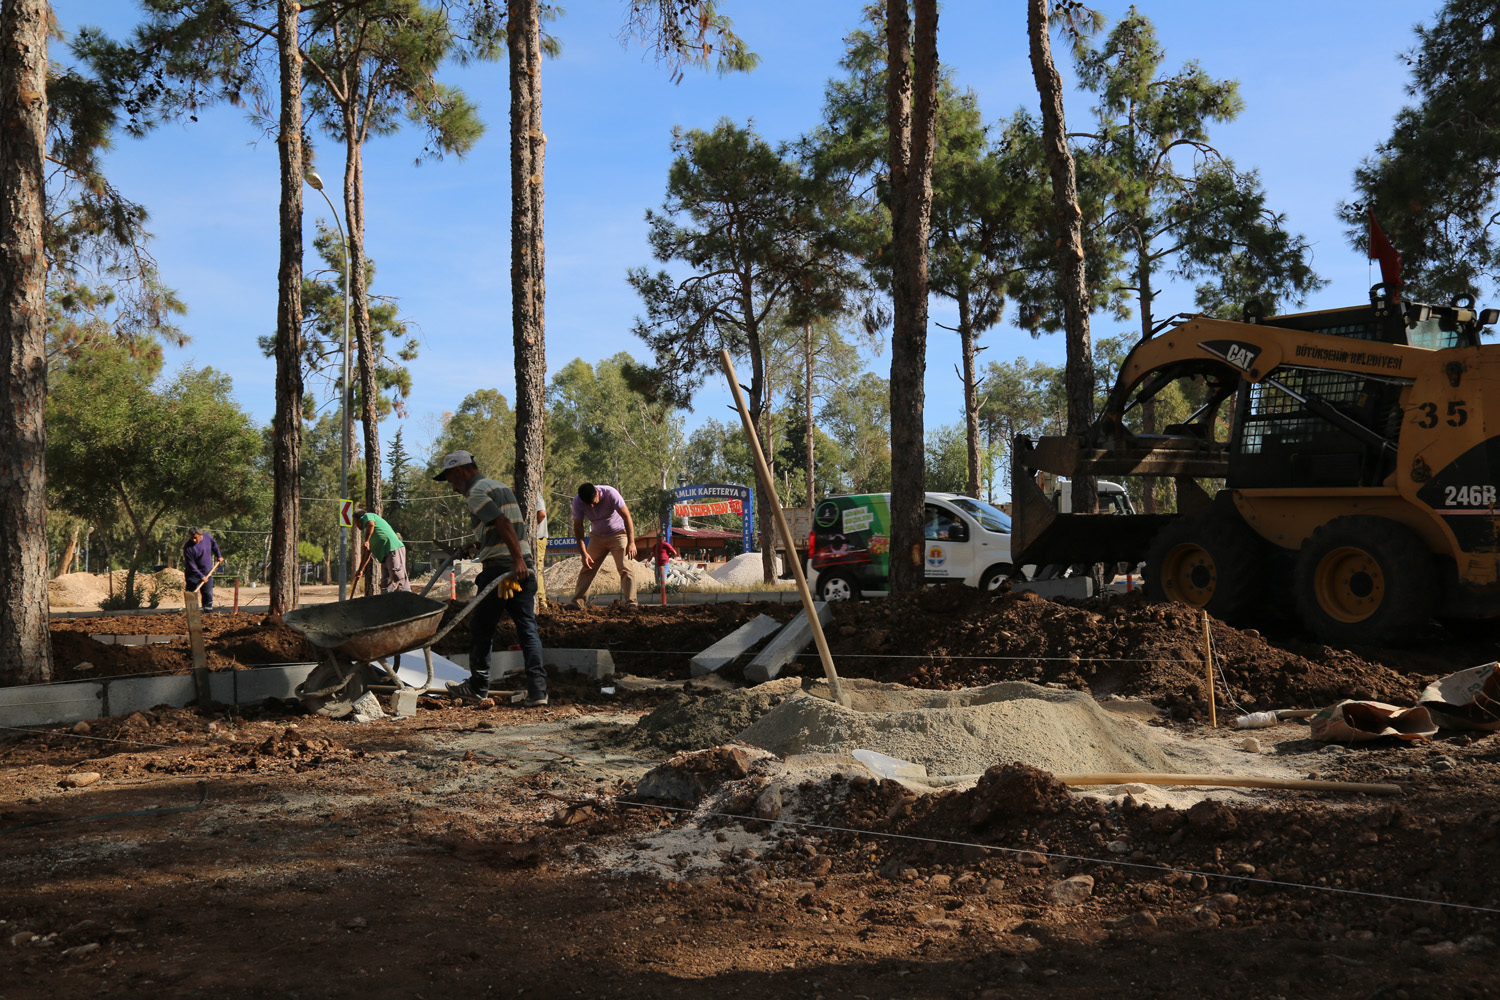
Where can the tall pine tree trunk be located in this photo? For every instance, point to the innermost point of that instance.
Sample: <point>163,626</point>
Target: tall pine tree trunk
<point>359,305</point>
<point>1148,408</point>
<point>69,553</point>
<point>807,408</point>
<point>1078,375</point>
<point>528,283</point>
<point>286,438</point>
<point>971,387</point>
<point>756,403</point>
<point>911,101</point>
<point>25,653</point>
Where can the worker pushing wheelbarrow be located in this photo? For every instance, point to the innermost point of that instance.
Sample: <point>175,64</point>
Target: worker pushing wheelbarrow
<point>366,630</point>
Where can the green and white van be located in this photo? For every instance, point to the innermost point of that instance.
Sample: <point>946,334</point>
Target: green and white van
<point>849,552</point>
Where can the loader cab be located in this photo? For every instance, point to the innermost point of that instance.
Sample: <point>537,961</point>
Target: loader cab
<point>1278,441</point>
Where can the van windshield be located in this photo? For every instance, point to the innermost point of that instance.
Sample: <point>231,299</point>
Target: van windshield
<point>989,518</point>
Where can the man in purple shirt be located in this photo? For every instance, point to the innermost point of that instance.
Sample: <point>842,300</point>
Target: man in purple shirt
<point>611,532</point>
<point>200,557</point>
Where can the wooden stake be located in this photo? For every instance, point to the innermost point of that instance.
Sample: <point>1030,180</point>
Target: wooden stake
<point>195,641</point>
<point>1208,658</point>
<point>769,495</point>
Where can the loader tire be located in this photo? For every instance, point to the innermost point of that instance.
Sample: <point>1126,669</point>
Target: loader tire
<point>1367,580</point>
<point>1208,562</point>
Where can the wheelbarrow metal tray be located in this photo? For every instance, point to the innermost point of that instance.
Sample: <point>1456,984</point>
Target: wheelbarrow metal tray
<point>369,628</point>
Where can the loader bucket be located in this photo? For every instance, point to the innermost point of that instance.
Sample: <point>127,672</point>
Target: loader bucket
<point>1041,535</point>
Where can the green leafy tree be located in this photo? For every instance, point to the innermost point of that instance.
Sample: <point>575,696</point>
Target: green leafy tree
<point>603,430</point>
<point>859,419</point>
<point>1434,183</point>
<point>123,444</point>
<point>744,221</point>
<point>1178,205</point>
<point>374,64</point>
<point>484,426</point>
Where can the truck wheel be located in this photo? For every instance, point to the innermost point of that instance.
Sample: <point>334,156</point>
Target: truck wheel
<point>1207,562</point>
<point>1365,579</point>
<point>837,587</point>
<point>995,576</point>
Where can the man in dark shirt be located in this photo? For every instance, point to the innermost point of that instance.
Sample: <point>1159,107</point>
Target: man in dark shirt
<point>200,557</point>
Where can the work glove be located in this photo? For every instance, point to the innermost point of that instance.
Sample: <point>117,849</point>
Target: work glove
<point>508,587</point>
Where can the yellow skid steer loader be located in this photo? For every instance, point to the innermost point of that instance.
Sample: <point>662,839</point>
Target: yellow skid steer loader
<point>1361,467</point>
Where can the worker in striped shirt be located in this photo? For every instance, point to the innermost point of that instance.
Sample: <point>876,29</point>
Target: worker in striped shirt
<point>501,540</point>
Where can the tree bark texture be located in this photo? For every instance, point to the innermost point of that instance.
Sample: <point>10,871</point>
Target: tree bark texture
<point>807,410</point>
<point>359,304</point>
<point>286,437</point>
<point>971,387</point>
<point>911,102</point>
<point>1148,408</point>
<point>25,652</point>
<point>756,403</point>
<point>528,282</point>
<point>69,553</point>
<point>1078,375</point>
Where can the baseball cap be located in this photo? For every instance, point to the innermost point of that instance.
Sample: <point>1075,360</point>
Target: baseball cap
<point>453,460</point>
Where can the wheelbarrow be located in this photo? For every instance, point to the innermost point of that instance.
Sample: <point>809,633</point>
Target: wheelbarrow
<point>354,639</point>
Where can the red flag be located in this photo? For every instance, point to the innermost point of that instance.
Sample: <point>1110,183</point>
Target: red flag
<point>1390,259</point>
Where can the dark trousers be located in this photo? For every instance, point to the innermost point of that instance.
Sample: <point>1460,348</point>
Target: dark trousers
<point>522,611</point>
<point>205,593</point>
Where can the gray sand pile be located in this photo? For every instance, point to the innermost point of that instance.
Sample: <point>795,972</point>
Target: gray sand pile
<point>960,732</point>
<point>697,721</point>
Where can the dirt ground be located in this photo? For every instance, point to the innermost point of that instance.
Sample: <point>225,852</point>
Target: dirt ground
<point>503,851</point>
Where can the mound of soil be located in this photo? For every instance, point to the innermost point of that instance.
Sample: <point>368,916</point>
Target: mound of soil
<point>231,641</point>
<point>949,637</point>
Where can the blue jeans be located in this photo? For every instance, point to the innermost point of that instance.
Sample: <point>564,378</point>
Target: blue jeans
<point>522,611</point>
<point>205,595</point>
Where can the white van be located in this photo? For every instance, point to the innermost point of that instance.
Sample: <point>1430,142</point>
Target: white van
<point>965,541</point>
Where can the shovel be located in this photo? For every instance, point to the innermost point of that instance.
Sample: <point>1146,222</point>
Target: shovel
<point>904,770</point>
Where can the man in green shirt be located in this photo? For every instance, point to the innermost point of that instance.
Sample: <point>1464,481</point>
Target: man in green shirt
<point>386,547</point>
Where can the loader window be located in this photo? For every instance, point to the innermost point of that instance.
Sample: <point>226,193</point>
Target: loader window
<point>1284,444</point>
<point>1429,334</point>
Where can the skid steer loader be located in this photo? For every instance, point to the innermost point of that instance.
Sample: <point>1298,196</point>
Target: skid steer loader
<point>1361,466</point>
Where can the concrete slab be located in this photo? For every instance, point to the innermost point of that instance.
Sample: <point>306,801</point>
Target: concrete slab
<point>47,704</point>
<point>250,687</point>
<point>124,695</point>
<point>1075,587</point>
<point>733,645</point>
<point>444,669</point>
<point>595,663</point>
<point>788,643</point>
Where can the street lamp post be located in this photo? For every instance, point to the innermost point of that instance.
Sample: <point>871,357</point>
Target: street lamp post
<point>316,183</point>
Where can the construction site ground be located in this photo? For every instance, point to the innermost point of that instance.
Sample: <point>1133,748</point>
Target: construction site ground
<point>495,850</point>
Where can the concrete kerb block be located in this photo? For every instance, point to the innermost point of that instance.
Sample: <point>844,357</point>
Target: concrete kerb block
<point>733,645</point>
<point>124,695</point>
<point>788,643</point>
<point>1074,587</point>
<point>594,663</point>
<point>48,704</point>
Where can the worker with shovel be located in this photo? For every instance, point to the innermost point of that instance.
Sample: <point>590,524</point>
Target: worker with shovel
<point>502,548</point>
<point>386,547</point>
<point>200,557</point>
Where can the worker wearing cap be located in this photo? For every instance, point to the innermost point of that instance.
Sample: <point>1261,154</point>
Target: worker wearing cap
<point>500,530</point>
<point>200,557</point>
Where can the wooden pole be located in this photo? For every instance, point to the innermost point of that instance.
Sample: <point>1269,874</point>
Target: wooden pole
<point>195,642</point>
<point>1208,658</point>
<point>768,488</point>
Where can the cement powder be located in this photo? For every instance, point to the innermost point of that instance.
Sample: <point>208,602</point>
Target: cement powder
<point>745,569</point>
<point>693,721</point>
<point>562,577</point>
<point>961,732</point>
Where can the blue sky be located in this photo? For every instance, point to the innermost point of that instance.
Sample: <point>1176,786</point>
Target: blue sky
<point>1321,82</point>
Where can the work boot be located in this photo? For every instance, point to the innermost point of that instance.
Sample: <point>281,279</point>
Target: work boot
<point>578,603</point>
<point>535,700</point>
<point>464,691</point>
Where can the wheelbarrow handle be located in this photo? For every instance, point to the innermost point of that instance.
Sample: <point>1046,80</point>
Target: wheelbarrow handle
<point>471,605</point>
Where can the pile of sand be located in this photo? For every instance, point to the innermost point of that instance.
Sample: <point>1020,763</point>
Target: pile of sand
<point>960,732</point>
<point>694,720</point>
<point>563,576</point>
<point>745,569</point>
<point>86,590</point>
<point>77,590</point>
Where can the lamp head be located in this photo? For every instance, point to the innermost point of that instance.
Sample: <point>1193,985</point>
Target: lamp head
<point>313,180</point>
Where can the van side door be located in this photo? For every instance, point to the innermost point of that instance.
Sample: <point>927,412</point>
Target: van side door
<point>948,549</point>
